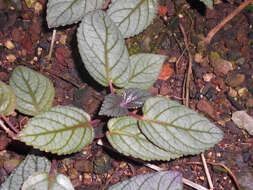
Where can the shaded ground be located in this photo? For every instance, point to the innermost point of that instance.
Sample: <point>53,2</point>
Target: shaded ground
<point>222,82</point>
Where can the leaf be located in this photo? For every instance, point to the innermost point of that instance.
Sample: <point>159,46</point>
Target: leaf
<point>61,130</point>
<point>103,49</point>
<point>7,99</point>
<point>134,98</point>
<point>64,12</point>
<point>35,92</point>
<point>30,165</point>
<point>144,70</point>
<point>208,3</point>
<point>116,105</point>
<point>111,106</point>
<point>175,128</point>
<point>40,181</point>
<point>132,17</point>
<point>167,180</point>
<point>125,136</point>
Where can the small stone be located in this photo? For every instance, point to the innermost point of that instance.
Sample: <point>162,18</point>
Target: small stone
<point>208,77</point>
<point>38,7</point>
<point>242,92</point>
<point>245,179</point>
<point>63,39</point>
<point>198,58</point>
<point>232,92</point>
<point>240,61</point>
<point>235,81</point>
<point>39,51</point>
<point>221,66</point>
<point>84,166</point>
<point>11,58</point>
<point>87,179</point>
<point>205,107</point>
<point>102,163</point>
<point>9,44</point>
<point>243,120</point>
<point>73,173</point>
<point>173,59</point>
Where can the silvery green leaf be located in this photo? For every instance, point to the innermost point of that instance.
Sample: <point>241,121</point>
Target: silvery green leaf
<point>144,70</point>
<point>175,128</point>
<point>7,99</point>
<point>61,130</point>
<point>64,12</point>
<point>40,181</point>
<point>103,49</point>
<point>34,92</point>
<point>132,16</point>
<point>30,165</point>
<point>167,180</point>
<point>125,136</point>
<point>134,98</point>
<point>111,106</point>
<point>208,3</point>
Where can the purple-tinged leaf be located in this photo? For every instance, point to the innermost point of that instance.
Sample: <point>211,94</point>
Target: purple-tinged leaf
<point>118,105</point>
<point>111,106</point>
<point>134,98</point>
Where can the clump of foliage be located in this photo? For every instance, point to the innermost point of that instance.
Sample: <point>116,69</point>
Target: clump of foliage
<point>144,127</point>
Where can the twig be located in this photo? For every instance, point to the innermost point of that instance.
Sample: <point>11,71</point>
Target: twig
<point>193,185</point>
<point>51,174</point>
<point>209,179</point>
<point>6,120</point>
<point>189,72</point>
<point>187,95</point>
<point>7,130</point>
<point>49,56</point>
<point>232,175</point>
<point>212,32</point>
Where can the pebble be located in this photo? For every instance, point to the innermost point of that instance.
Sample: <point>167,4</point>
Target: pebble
<point>205,107</point>
<point>240,61</point>
<point>242,92</point>
<point>235,80</point>
<point>208,77</point>
<point>221,66</point>
<point>11,58</point>
<point>9,44</point>
<point>243,120</point>
<point>84,166</point>
<point>245,179</point>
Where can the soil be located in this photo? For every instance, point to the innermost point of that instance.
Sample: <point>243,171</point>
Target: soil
<point>221,83</point>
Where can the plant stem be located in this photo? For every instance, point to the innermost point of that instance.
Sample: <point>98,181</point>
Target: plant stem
<point>138,117</point>
<point>7,130</point>
<point>212,32</point>
<point>111,87</point>
<point>51,174</point>
<point>6,120</point>
<point>95,121</point>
